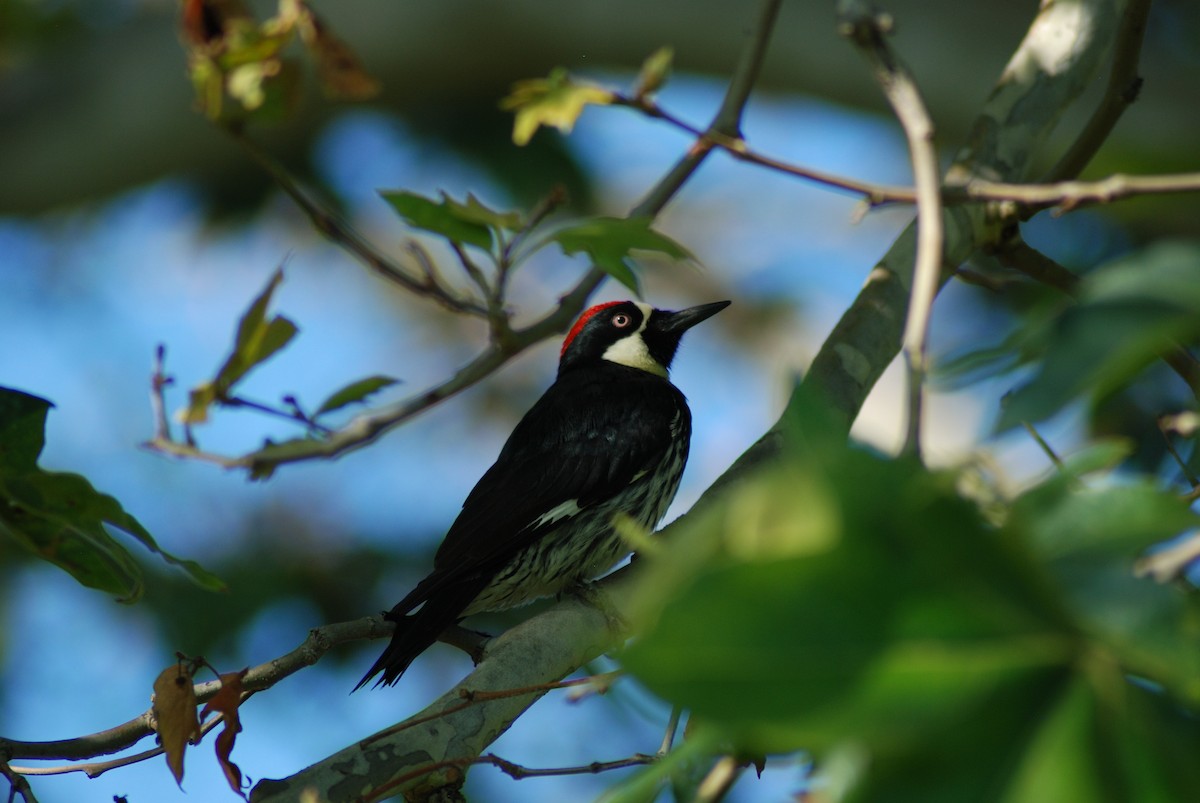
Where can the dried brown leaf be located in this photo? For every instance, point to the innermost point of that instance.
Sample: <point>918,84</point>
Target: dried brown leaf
<point>175,715</point>
<point>342,74</point>
<point>226,701</point>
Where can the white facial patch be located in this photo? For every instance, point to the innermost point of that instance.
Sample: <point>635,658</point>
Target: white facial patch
<point>631,350</point>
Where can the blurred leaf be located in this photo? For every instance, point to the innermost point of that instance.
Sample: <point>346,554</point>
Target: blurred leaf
<point>608,241</point>
<point>233,56</point>
<point>175,715</point>
<point>355,392</point>
<point>22,429</point>
<point>841,598</point>
<point>202,22</point>
<point>838,596</point>
<point>556,101</point>
<point>227,700</point>
<point>655,71</point>
<point>342,74</point>
<point>60,517</point>
<point>257,339</point>
<point>266,91</point>
<point>1063,518</point>
<point>1088,539</point>
<point>1129,313</point>
<point>470,223</point>
<point>1103,455</point>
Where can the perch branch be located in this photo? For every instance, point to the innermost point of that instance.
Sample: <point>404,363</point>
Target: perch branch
<point>868,30</point>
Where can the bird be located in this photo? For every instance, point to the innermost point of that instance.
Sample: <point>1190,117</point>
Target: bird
<point>610,436</point>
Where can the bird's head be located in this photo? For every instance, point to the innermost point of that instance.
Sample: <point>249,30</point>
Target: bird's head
<point>631,333</point>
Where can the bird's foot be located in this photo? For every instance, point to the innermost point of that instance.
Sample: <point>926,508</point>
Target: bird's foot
<point>473,642</point>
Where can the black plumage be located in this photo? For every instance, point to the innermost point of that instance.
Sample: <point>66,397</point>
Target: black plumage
<point>609,436</point>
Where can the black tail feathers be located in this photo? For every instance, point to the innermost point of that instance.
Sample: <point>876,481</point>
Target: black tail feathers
<point>416,632</point>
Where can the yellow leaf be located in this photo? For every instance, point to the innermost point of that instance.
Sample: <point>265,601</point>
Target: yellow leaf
<point>555,101</point>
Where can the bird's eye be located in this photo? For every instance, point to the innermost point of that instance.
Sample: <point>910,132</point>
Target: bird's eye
<point>621,320</point>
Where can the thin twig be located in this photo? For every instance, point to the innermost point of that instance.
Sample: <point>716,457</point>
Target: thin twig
<point>719,781</point>
<point>874,194</point>
<point>513,770</point>
<point>295,414</point>
<point>98,768</point>
<point>1055,191</point>
<point>1188,474</point>
<point>1045,447</point>
<point>1172,562</point>
<point>1070,195</point>
<point>672,727</point>
<point>474,272</point>
<point>319,641</point>
<point>471,698</point>
<point>18,785</point>
<point>517,772</point>
<point>341,234</point>
<point>868,30</point>
<point>1122,90</point>
<point>159,382</point>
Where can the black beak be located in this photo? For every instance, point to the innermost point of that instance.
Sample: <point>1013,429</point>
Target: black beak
<point>687,318</point>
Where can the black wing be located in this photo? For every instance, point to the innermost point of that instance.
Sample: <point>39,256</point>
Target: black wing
<point>583,441</point>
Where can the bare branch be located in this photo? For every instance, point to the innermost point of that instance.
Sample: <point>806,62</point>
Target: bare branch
<point>341,234</point>
<point>1124,85</point>
<point>719,781</point>
<point>18,784</point>
<point>1050,69</point>
<point>1170,564</point>
<point>868,29</point>
<point>319,641</point>
<point>518,772</point>
<point>98,768</point>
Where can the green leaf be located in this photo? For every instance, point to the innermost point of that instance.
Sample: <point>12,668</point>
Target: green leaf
<point>355,392</point>
<point>555,101</point>
<point>60,517</point>
<point>1088,539</point>
<point>469,223</point>
<point>1121,519</point>
<point>1130,312</point>
<point>22,429</point>
<point>608,241</point>
<point>655,71</point>
<point>839,596</point>
<point>257,340</point>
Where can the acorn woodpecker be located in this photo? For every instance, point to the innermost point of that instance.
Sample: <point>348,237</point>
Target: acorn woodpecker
<point>609,436</point>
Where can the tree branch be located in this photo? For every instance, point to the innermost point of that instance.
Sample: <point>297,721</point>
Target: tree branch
<point>1123,88</point>
<point>319,641</point>
<point>342,235</point>
<point>868,29</point>
<point>1057,59</point>
<point>18,785</point>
